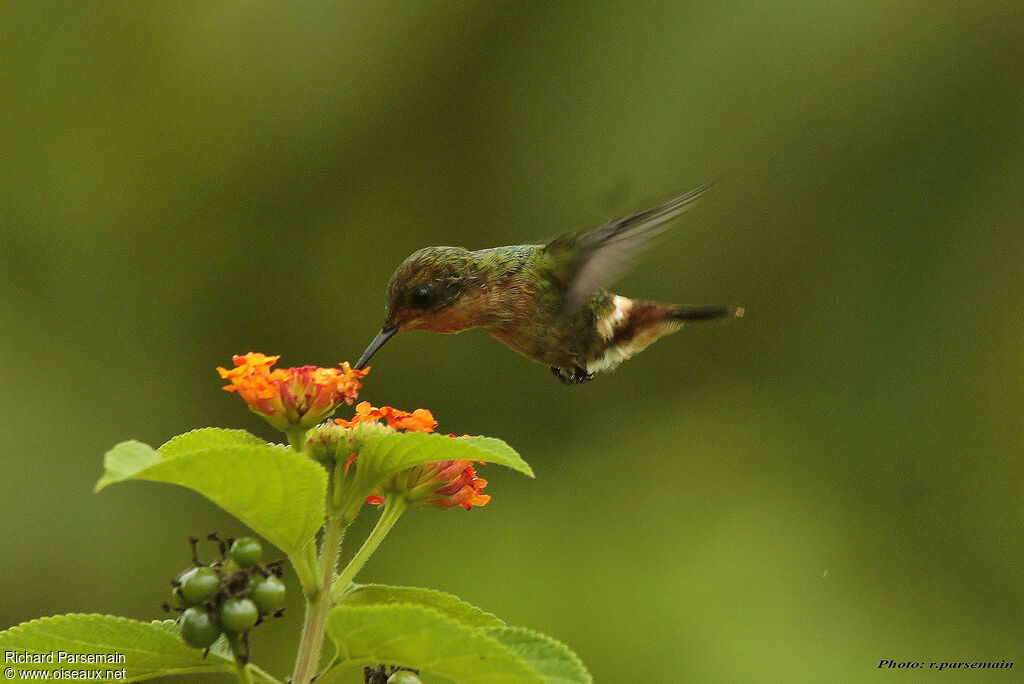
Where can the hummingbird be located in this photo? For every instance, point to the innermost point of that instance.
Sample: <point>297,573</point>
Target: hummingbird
<point>546,301</point>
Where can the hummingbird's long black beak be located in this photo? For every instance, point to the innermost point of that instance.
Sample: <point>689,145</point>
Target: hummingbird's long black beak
<point>383,336</point>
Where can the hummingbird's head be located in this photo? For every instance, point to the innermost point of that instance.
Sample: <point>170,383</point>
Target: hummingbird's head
<point>427,292</point>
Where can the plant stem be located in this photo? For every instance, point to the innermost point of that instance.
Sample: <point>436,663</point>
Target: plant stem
<point>242,670</point>
<point>297,439</point>
<point>306,568</point>
<point>262,674</point>
<point>393,509</point>
<point>238,650</point>
<point>318,605</point>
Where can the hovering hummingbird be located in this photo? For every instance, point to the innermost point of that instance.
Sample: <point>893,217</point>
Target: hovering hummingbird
<point>548,301</point>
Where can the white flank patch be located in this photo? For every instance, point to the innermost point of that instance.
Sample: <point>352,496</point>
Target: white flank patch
<point>607,325</point>
<point>617,353</point>
<point>611,358</point>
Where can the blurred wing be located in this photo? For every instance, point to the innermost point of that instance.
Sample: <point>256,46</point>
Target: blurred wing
<point>593,259</point>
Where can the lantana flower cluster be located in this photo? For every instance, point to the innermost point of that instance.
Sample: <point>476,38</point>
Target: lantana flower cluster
<point>303,397</point>
<point>298,397</point>
<point>444,484</point>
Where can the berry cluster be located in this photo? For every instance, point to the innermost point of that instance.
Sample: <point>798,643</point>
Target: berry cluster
<point>230,596</point>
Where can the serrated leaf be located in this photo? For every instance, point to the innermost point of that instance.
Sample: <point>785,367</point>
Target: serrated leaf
<point>276,491</point>
<point>500,452</point>
<point>423,639</point>
<point>207,438</point>
<point>126,459</point>
<point>150,649</point>
<point>386,455</point>
<point>448,605</point>
<point>551,659</point>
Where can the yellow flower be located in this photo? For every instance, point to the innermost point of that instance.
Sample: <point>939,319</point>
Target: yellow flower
<point>291,397</point>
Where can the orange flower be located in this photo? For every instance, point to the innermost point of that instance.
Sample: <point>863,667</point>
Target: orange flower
<point>365,413</point>
<point>291,397</point>
<point>444,484</point>
<point>420,420</point>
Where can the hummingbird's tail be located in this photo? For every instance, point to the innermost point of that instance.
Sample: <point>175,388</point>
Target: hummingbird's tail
<point>633,325</point>
<point>704,313</point>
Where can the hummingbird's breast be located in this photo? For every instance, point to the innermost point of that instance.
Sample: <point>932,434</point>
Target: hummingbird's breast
<point>541,329</point>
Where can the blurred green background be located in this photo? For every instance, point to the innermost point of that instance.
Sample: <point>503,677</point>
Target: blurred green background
<point>833,480</point>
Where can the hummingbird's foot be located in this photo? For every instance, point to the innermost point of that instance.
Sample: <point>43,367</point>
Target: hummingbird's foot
<point>573,377</point>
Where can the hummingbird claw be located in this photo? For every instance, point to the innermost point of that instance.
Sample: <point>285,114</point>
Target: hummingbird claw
<point>573,377</point>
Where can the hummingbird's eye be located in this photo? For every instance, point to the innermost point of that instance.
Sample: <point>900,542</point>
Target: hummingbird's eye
<point>423,296</point>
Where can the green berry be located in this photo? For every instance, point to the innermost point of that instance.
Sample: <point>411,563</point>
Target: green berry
<point>403,677</point>
<point>238,615</point>
<point>246,551</point>
<point>198,629</point>
<point>267,593</point>
<point>177,600</point>
<point>198,584</point>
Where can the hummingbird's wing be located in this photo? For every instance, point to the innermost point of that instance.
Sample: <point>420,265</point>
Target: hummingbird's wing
<point>590,260</point>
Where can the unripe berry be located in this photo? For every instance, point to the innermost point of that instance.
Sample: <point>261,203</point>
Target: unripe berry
<point>238,615</point>
<point>246,551</point>
<point>198,584</point>
<point>177,600</point>
<point>198,629</point>
<point>267,593</point>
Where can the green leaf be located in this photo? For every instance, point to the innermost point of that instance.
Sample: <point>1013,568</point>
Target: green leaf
<point>126,459</point>
<point>208,438</point>
<point>275,490</point>
<point>423,639</point>
<point>500,452</point>
<point>549,658</point>
<point>450,606</point>
<point>149,649</point>
<point>386,455</point>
